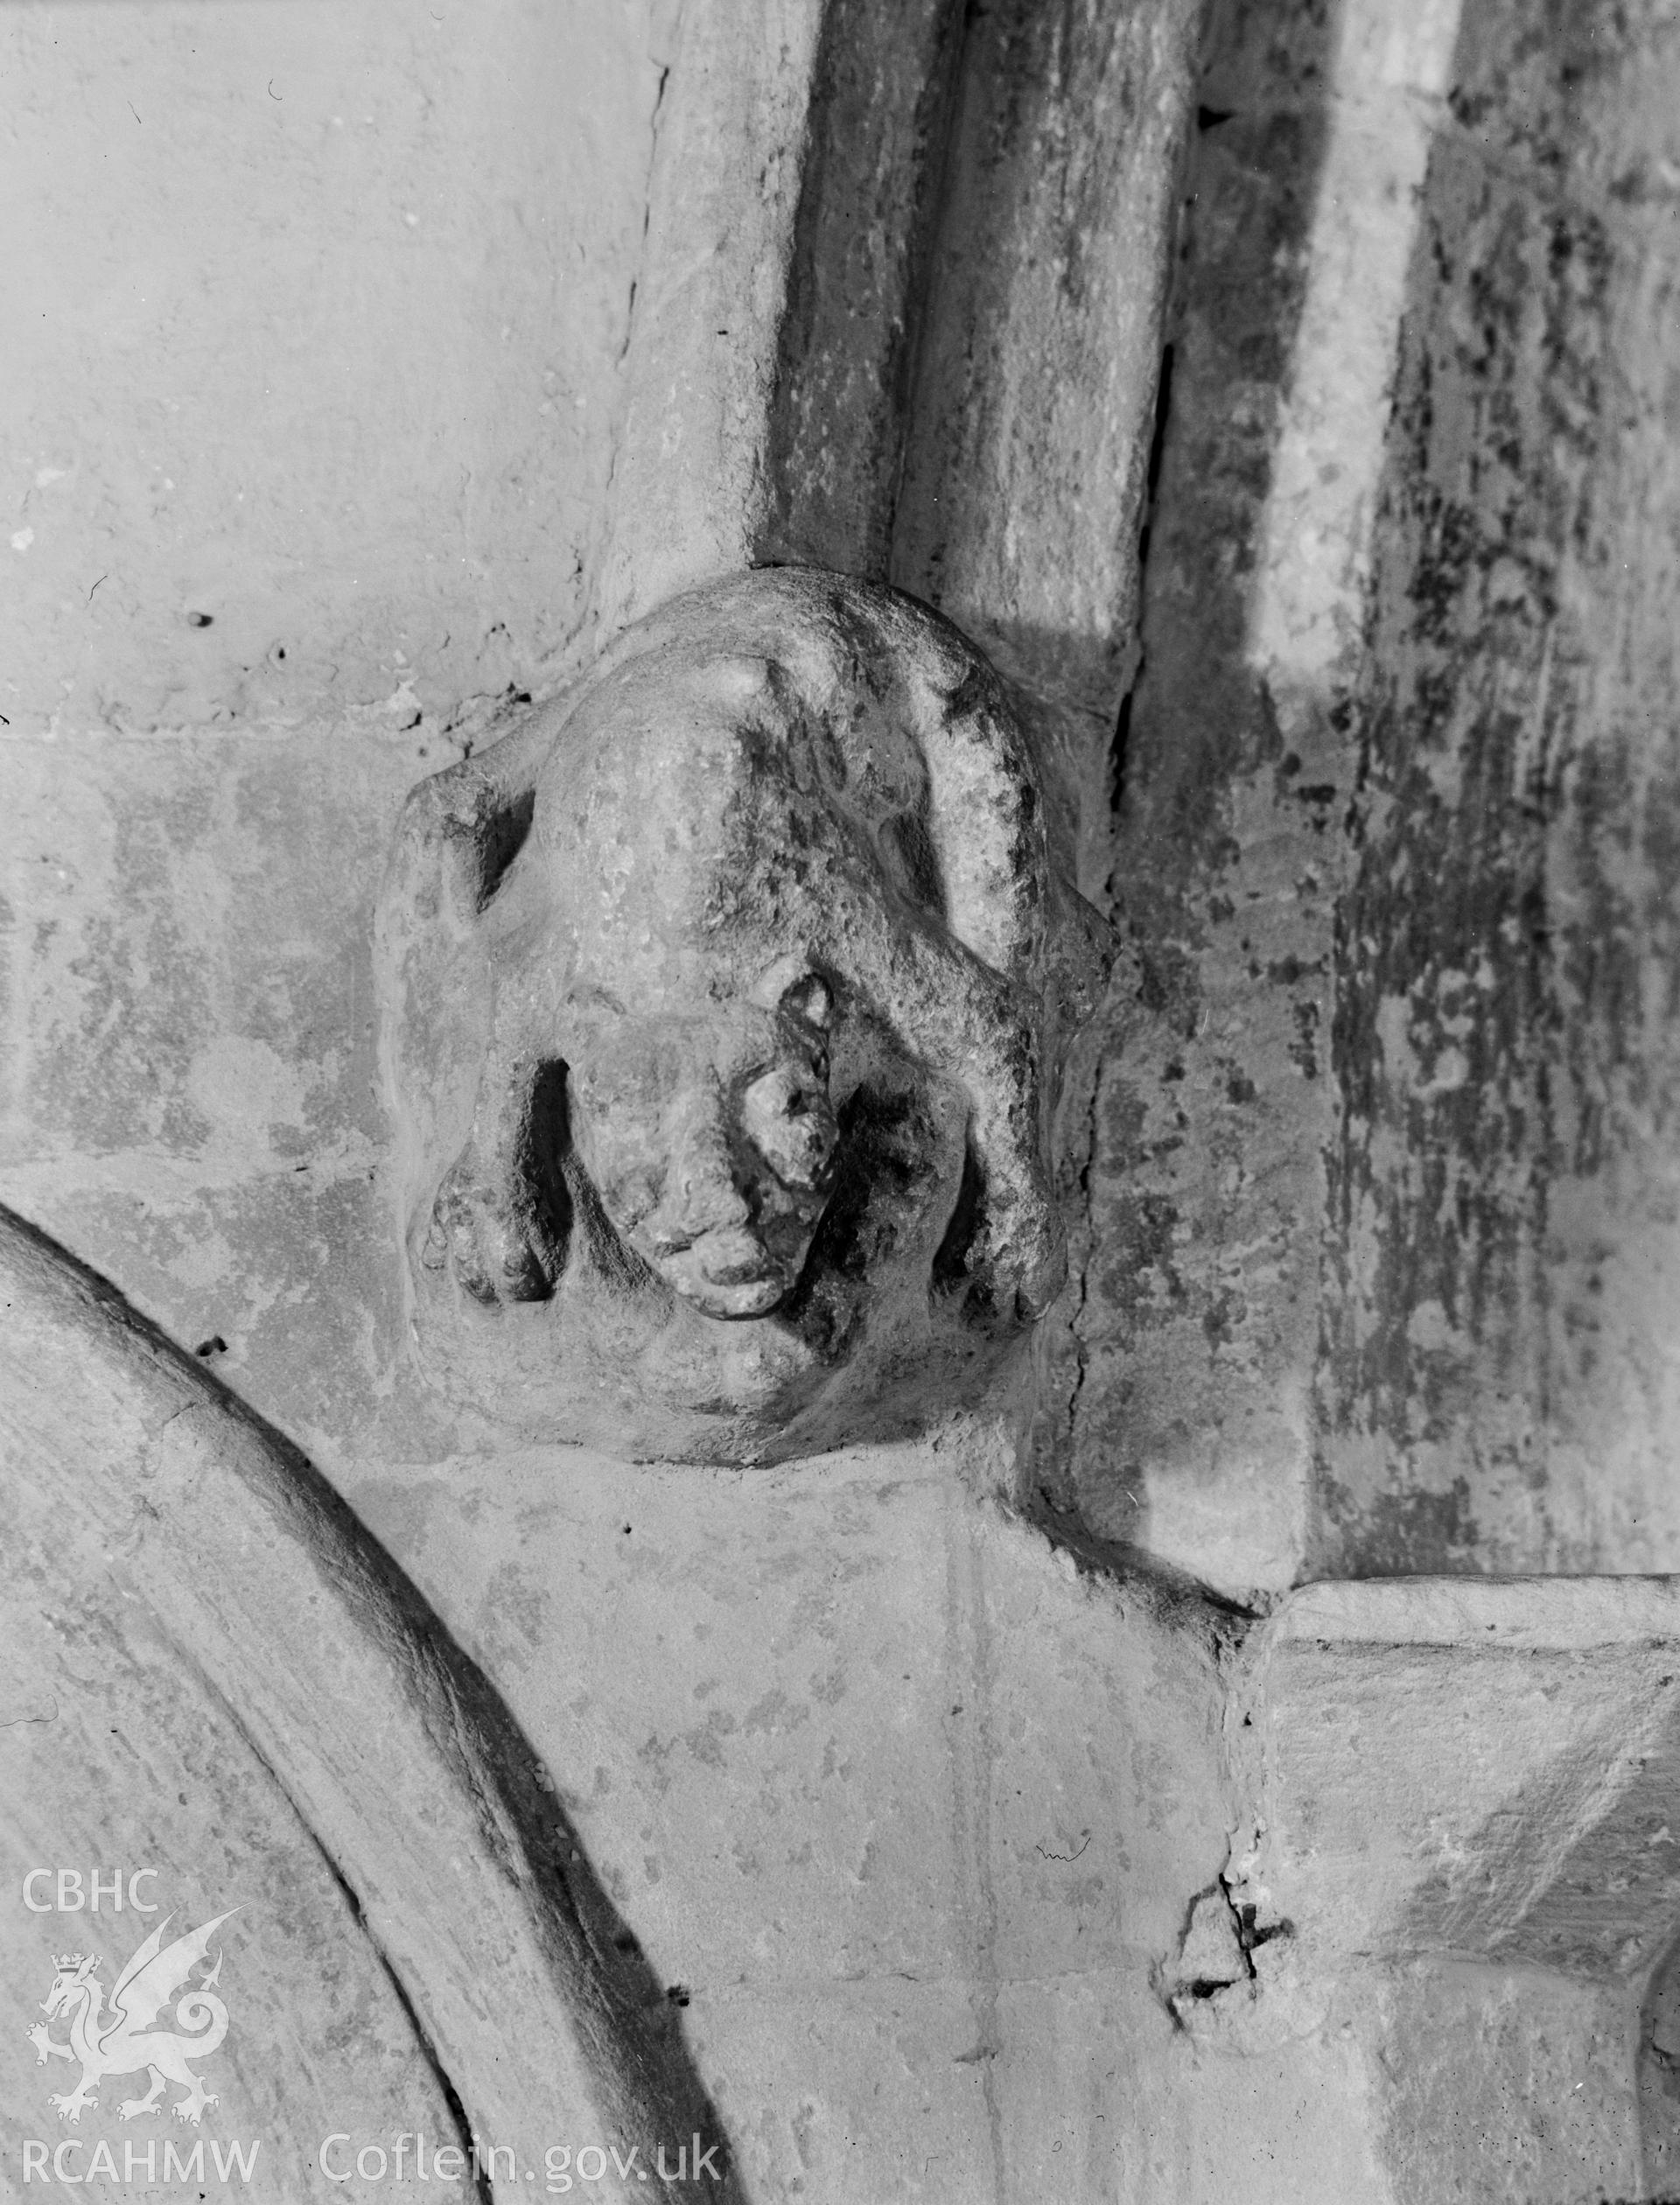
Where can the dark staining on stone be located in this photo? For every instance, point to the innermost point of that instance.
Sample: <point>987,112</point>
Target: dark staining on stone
<point>884,1152</point>
<point>1449,936</point>
<point>1139,1282</point>
<point>1302,1050</point>
<point>1201,726</point>
<point>1124,1119</point>
<point>1405,1532</point>
<point>1170,986</point>
<point>1222,1316</point>
<point>1289,971</point>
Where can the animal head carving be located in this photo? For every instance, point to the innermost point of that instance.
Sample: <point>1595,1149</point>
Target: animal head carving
<point>724,1004</point>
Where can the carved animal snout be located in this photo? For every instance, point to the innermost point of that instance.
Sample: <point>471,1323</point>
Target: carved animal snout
<point>711,1150</point>
<point>749,1174</point>
<point>789,815</point>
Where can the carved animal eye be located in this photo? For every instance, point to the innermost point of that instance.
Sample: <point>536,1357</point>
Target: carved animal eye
<point>808,998</point>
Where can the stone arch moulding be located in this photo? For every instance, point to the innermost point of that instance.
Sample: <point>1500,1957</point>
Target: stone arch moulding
<point>137,1487</point>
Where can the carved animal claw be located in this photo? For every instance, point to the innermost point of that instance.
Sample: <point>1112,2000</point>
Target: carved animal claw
<point>481,1227</point>
<point>69,2104</point>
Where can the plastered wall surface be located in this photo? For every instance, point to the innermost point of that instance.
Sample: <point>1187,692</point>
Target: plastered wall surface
<point>309,349</point>
<point>799,1814</point>
<point>314,461</point>
<point>315,390</point>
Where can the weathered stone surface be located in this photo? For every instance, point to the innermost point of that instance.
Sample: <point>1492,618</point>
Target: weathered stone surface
<point>860,1683</point>
<point>1657,2073</point>
<point>313,364</point>
<point>194,1208</point>
<point>1451,1877</point>
<point>912,1807</point>
<point>1461,1798</point>
<point>1028,442</point>
<point>159,1526</point>
<point>865,242</point>
<point>1487,1773</point>
<point>1473,1031</point>
<point>797,144</point>
<point>189,1084</point>
<point>116,1753</point>
<point>691,477</point>
<point>916,336</point>
<point>1501,1386</point>
<point>1508,2085</point>
<point>725,1008</point>
<point>1177,1407</point>
<point>930,1829</point>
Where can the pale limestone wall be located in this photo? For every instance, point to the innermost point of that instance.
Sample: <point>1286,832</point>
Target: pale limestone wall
<point>915,1812</point>
<point>324,343</point>
<point>313,320</point>
<point>866,1770</point>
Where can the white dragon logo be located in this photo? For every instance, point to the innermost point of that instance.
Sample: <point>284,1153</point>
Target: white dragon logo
<point>121,2042</point>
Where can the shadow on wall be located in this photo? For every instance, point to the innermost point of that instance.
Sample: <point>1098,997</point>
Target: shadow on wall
<point>1175,1338</point>
<point>1499,1387</point>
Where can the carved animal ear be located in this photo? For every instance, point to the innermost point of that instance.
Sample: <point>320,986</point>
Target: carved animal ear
<point>793,984</point>
<point>985,823</point>
<point>811,998</point>
<point>461,829</point>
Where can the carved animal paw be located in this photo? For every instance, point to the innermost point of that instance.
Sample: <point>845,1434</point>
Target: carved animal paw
<point>38,2037</point>
<point>192,2108</point>
<point>69,2104</point>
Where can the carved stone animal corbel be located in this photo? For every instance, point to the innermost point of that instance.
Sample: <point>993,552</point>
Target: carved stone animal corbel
<point>725,1001</point>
